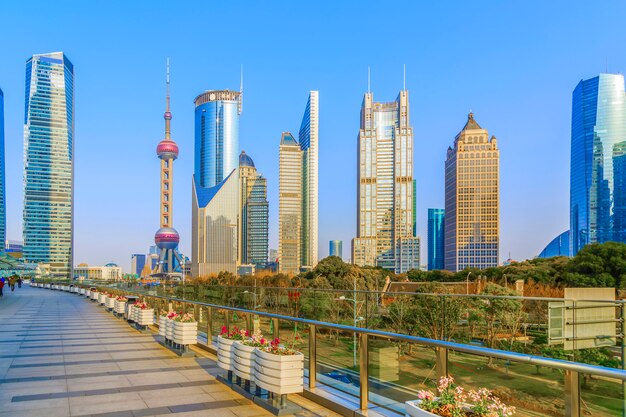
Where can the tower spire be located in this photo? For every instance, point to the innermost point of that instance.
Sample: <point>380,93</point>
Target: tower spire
<point>369,80</point>
<point>240,106</point>
<point>168,115</point>
<point>404,77</point>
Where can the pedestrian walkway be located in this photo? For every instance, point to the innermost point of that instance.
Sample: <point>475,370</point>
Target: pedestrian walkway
<point>62,355</point>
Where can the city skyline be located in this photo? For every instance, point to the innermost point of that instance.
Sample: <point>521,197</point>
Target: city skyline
<point>435,108</point>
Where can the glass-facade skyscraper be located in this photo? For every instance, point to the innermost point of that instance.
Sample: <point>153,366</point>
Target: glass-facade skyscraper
<point>49,163</point>
<point>3,218</point>
<point>436,235</point>
<point>335,248</point>
<point>385,221</point>
<point>472,193</point>
<point>559,246</point>
<point>253,223</point>
<point>598,162</point>
<point>298,193</point>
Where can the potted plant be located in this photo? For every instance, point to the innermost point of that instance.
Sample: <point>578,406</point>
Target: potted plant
<point>169,324</point>
<point>162,324</point>
<point>225,343</point>
<point>452,400</point>
<point>120,305</point>
<point>279,369</point>
<point>185,330</point>
<point>102,298</point>
<point>144,316</point>
<point>244,357</point>
<point>110,302</point>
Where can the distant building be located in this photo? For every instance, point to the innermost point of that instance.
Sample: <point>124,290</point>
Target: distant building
<point>273,255</point>
<point>598,162</point>
<point>49,160</point>
<point>335,248</point>
<point>109,272</point>
<point>253,223</point>
<point>137,262</point>
<point>298,193</point>
<point>385,200</point>
<point>559,246</point>
<point>436,236</point>
<point>472,200</point>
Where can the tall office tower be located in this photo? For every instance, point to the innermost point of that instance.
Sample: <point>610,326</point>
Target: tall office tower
<point>49,163</point>
<point>472,200</point>
<point>335,248</point>
<point>298,193</point>
<point>137,262</point>
<point>253,223</point>
<point>167,238</point>
<point>215,183</point>
<point>289,204</point>
<point>436,235</point>
<point>3,218</point>
<point>598,161</point>
<point>385,187</point>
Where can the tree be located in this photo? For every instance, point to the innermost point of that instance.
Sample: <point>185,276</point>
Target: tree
<point>598,265</point>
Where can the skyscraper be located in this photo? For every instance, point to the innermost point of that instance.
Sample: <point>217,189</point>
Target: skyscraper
<point>335,248</point>
<point>167,238</point>
<point>472,200</point>
<point>137,262</point>
<point>298,193</point>
<point>253,223</point>
<point>215,183</point>
<point>598,162</point>
<point>385,221</point>
<point>436,222</point>
<point>49,163</point>
<point>3,218</point>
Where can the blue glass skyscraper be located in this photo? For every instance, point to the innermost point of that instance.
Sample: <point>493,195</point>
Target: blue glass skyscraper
<point>598,164</point>
<point>436,236</point>
<point>49,163</point>
<point>3,219</point>
<point>216,136</point>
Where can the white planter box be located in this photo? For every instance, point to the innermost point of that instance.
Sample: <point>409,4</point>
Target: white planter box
<point>280,374</point>
<point>110,302</point>
<point>144,317</point>
<point>102,299</point>
<point>47,286</point>
<point>185,333</point>
<point>131,313</point>
<point>162,325</point>
<point>169,329</point>
<point>225,353</point>
<point>93,295</point>
<point>243,361</point>
<point>413,410</point>
<point>120,307</point>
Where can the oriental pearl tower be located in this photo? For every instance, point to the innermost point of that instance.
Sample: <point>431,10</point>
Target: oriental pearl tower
<point>166,238</point>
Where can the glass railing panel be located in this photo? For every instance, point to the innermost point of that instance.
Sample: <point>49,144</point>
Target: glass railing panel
<point>338,361</point>
<point>397,370</point>
<point>533,390</point>
<point>601,397</point>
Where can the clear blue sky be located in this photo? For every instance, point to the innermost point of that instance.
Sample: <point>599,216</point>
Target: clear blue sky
<point>514,64</point>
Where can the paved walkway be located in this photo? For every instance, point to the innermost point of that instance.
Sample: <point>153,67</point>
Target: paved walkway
<point>62,355</point>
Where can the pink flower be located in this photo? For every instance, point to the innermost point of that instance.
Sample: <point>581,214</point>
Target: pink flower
<point>425,395</point>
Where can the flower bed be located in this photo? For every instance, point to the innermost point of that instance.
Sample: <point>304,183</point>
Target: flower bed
<point>225,346</point>
<point>453,400</point>
<point>185,330</point>
<point>120,304</point>
<point>169,325</point>
<point>144,316</point>
<point>279,369</point>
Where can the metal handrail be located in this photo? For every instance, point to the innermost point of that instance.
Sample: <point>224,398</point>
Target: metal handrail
<point>475,350</point>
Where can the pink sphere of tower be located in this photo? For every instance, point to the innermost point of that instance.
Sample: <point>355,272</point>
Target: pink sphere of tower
<point>166,238</point>
<point>167,149</point>
<point>167,115</point>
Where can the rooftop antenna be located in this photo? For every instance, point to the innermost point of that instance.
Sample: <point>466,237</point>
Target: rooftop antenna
<point>404,78</point>
<point>168,115</point>
<point>369,80</point>
<point>240,106</point>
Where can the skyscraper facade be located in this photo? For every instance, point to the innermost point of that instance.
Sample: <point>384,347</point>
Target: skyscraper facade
<point>298,193</point>
<point>335,248</point>
<point>3,218</point>
<point>137,262</point>
<point>216,136</point>
<point>289,205</point>
<point>436,222</point>
<point>253,223</point>
<point>598,162</point>
<point>559,246</point>
<point>385,221</point>
<point>472,210</point>
<point>49,163</point>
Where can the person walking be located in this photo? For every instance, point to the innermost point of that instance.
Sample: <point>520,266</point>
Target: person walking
<point>19,282</point>
<point>12,283</point>
<point>1,286</point>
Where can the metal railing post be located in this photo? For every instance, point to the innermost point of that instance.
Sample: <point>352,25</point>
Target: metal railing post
<point>572,394</point>
<point>312,356</point>
<point>209,326</point>
<point>364,371</point>
<point>227,320</point>
<point>441,361</point>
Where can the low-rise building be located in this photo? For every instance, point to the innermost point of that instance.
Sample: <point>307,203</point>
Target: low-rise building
<point>108,272</point>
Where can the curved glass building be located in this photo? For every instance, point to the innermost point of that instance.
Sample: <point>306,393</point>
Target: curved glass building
<point>436,236</point>
<point>49,163</point>
<point>216,136</point>
<point>598,162</point>
<point>559,246</point>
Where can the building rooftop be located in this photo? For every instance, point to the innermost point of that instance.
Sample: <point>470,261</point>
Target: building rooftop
<point>471,123</point>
